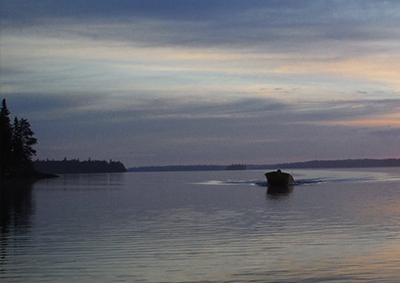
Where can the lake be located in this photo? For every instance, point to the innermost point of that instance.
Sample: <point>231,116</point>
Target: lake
<point>219,226</point>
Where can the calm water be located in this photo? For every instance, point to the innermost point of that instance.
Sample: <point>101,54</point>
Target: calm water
<point>334,226</point>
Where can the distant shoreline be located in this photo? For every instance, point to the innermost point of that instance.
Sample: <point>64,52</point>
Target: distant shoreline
<point>313,164</point>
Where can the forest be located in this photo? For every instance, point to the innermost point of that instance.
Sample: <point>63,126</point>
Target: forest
<point>75,166</point>
<point>16,147</point>
<point>16,143</point>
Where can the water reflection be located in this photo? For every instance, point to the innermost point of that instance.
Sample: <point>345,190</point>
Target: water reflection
<point>279,191</point>
<point>16,210</point>
<point>70,182</point>
<point>164,227</point>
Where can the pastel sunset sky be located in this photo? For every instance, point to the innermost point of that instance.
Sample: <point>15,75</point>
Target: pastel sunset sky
<point>160,82</point>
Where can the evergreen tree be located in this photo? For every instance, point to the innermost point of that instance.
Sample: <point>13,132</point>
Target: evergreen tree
<point>22,142</point>
<point>6,133</point>
<point>16,145</point>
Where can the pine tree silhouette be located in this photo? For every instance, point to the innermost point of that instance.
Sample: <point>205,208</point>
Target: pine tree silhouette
<point>17,143</point>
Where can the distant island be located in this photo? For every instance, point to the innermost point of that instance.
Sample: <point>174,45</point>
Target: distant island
<point>325,164</point>
<point>236,167</point>
<point>75,166</point>
<point>314,164</point>
<point>177,168</point>
<point>181,168</point>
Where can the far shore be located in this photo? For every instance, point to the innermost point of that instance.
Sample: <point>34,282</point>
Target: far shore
<point>314,164</point>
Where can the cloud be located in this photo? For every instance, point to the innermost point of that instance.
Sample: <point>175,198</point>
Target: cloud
<point>178,42</point>
<point>387,133</point>
<point>204,130</point>
<point>182,10</point>
<point>275,25</point>
<point>203,80</point>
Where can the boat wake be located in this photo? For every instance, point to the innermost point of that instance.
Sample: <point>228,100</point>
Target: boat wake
<point>298,182</point>
<point>234,182</point>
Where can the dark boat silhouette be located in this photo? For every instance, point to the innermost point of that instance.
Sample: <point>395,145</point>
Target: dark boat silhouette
<point>279,178</point>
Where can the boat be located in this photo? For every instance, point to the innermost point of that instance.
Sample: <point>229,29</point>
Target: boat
<point>279,178</point>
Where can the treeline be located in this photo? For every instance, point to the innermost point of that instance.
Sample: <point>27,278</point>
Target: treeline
<point>16,152</point>
<point>346,163</point>
<point>178,168</point>
<point>16,146</point>
<point>237,167</point>
<point>74,166</point>
<point>182,168</point>
<point>343,163</point>
<point>314,164</point>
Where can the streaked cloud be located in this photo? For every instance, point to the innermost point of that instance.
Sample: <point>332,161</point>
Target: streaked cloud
<point>218,80</point>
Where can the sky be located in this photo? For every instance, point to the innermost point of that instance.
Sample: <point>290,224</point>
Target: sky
<point>179,82</point>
